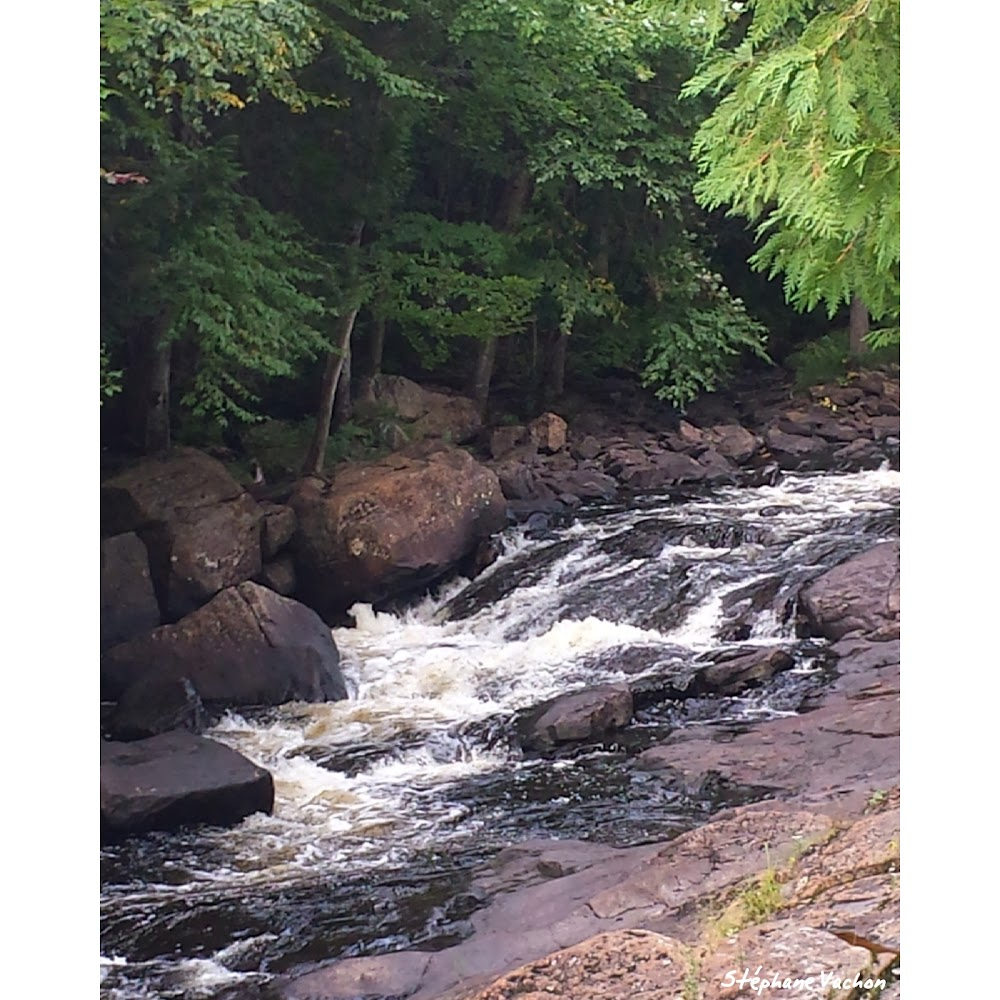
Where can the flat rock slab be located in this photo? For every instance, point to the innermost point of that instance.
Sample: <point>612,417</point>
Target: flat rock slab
<point>176,779</point>
<point>832,758</point>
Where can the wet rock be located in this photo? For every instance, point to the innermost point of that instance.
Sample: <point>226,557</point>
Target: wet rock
<point>154,705</point>
<point>549,432</point>
<point>517,480</point>
<point>834,757</point>
<point>177,779</point>
<point>128,602</point>
<point>388,527</point>
<point>861,594</point>
<point>667,469</point>
<point>735,673</point>
<point>201,530</point>
<point>366,978</point>
<point>581,715</point>
<point>885,426</point>
<point>247,646</point>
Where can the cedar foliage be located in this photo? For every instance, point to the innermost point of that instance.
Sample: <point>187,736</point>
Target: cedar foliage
<point>804,140</point>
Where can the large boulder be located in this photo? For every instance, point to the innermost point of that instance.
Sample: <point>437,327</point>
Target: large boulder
<point>384,528</point>
<point>177,779</point>
<point>128,601</point>
<point>247,646</point>
<point>859,595</point>
<point>200,527</point>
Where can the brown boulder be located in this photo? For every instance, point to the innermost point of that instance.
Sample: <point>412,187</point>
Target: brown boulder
<point>279,575</point>
<point>401,395</point>
<point>581,715</point>
<point>549,432</point>
<point>128,602</point>
<point>861,594</point>
<point>734,442</point>
<point>201,529</point>
<point>177,779</point>
<point>247,646</point>
<point>792,449</point>
<point>386,527</point>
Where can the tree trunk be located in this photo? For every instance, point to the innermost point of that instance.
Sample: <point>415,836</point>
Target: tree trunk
<point>482,373</point>
<point>507,218</point>
<point>859,326</point>
<point>157,432</point>
<point>555,369</point>
<point>343,408</point>
<point>313,464</point>
<point>372,365</point>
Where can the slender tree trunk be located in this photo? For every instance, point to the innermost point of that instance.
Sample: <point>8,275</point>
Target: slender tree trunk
<point>343,407</point>
<point>313,464</point>
<point>371,367</point>
<point>508,216</point>
<point>859,326</point>
<point>157,432</point>
<point>482,372</point>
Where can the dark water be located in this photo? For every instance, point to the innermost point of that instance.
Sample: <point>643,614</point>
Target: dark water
<point>386,804</point>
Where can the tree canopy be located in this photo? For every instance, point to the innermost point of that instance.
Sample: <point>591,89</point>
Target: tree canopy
<point>465,189</point>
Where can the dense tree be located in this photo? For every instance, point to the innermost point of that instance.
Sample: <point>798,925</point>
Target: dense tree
<point>313,188</point>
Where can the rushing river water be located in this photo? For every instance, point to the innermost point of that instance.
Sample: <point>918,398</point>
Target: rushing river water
<point>386,803</point>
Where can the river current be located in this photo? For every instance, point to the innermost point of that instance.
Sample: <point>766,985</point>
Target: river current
<point>388,802</point>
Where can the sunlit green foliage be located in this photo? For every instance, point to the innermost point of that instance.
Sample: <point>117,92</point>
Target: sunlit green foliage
<point>804,140</point>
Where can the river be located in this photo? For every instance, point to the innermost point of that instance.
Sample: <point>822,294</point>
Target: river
<point>387,803</point>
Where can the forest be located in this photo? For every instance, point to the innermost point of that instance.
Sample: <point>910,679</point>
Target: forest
<point>507,198</point>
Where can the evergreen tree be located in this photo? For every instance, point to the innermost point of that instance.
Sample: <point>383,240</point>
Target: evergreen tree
<point>805,139</point>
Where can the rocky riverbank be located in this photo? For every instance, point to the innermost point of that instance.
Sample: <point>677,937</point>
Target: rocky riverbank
<point>215,596</point>
<point>804,884</point>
